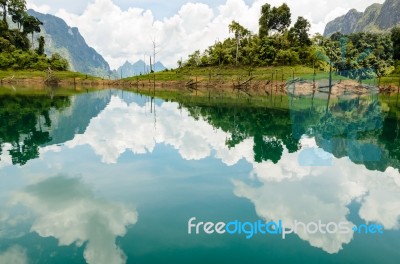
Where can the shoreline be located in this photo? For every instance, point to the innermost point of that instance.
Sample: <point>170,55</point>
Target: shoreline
<point>248,88</point>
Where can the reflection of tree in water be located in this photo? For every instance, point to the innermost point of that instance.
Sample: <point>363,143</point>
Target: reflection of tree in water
<point>21,124</point>
<point>270,128</point>
<point>390,136</point>
<point>358,129</point>
<point>267,149</point>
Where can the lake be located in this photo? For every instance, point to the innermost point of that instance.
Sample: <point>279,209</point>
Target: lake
<point>112,176</point>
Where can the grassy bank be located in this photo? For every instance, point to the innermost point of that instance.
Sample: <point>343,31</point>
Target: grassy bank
<point>214,76</point>
<point>29,74</point>
<point>240,74</point>
<point>228,73</point>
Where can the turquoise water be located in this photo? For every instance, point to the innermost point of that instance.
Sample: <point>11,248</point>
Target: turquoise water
<point>114,177</point>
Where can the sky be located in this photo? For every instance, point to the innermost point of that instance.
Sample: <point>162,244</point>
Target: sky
<point>124,30</point>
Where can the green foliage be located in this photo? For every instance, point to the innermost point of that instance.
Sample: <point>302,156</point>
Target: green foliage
<point>31,24</point>
<point>240,32</point>
<point>41,41</point>
<point>15,50</point>
<point>21,116</point>
<point>358,56</point>
<point>194,59</point>
<point>287,57</point>
<point>276,19</point>
<point>298,34</point>
<point>395,36</point>
<point>17,11</point>
<point>397,67</point>
<point>58,63</point>
<point>19,60</point>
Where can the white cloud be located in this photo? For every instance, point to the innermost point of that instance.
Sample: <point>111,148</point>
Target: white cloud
<point>45,9</point>
<point>66,209</point>
<point>194,139</point>
<point>127,34</point>
<point>288,191</point>
<point>14,255</point>
<point>291,192</point>
<point>5,157</point>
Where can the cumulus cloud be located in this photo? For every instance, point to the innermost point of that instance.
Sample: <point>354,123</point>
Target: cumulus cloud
<point>291,192</point>
<point>288,191</point>
<point>124,126</point>
<point>121,35</point>
<point>42,8</point>
<point>66,209</point>
<point>14,255</point>
<point>5,157</point>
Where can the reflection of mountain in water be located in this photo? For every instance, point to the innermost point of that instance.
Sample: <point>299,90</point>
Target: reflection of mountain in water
<point>76,118</point>
<point>360,128</point>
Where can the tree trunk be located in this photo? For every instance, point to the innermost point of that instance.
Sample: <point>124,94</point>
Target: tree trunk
<point>4,13</point>
<point>237,50</point>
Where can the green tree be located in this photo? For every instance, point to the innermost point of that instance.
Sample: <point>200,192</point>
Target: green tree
<point>41,41</point>
<point>4,6</point>
<point>17,10</point>
<point>31,25</point>
<point>239,32</point>
<point>194,59</point>
<point>287,57</point>
<point>267,51</point>
<point>267,149</point>
<point>298,34</point>
<point>264,21</point>
<point>58,63</point>
<point>395,36</point>
<point>276,19</point>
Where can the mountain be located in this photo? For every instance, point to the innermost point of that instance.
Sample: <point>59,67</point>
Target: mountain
<point>76,118</point>
<point>376,18</point>
<point>68,42</point>
<point>128,69</point>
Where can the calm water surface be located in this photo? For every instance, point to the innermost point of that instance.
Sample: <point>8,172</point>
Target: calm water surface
<point>113,177</point>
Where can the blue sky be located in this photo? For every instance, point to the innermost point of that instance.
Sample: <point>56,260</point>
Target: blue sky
<point>122,30</point>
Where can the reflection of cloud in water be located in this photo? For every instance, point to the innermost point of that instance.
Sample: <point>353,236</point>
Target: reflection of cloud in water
<point>122,127</point>
<point>67,210</point>
<point>292,192</point>
<point>289,191</point>
<point>5,157</point>
<point>14,255</point>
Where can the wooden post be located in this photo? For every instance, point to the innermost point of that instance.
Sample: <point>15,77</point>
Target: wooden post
<point>272,81</point>
<point>398,87</point>
<point>314,74</point>
<point>330,87</point>
<point>398,90</point>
